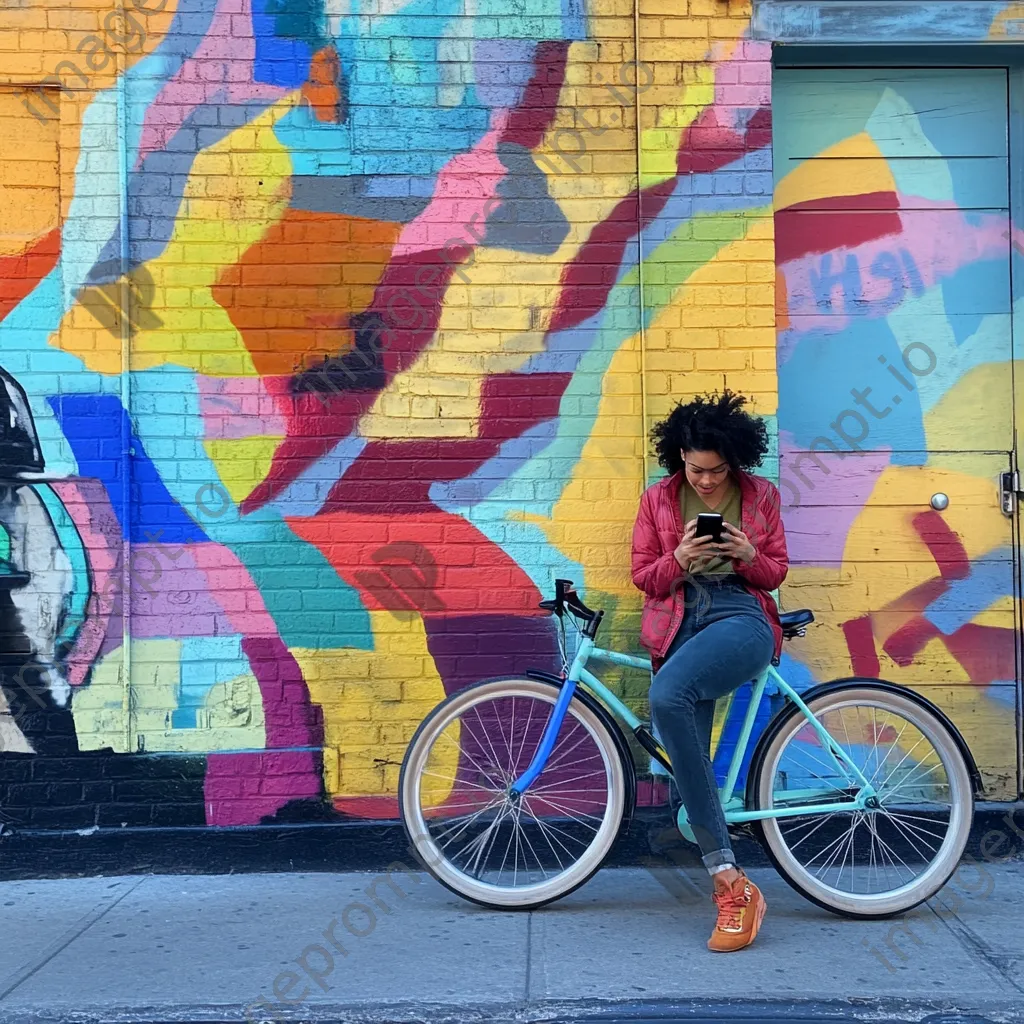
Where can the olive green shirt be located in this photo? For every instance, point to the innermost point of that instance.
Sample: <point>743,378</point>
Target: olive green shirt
<point>691,504</point>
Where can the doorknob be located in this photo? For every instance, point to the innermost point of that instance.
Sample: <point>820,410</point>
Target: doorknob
<point>940,501</point>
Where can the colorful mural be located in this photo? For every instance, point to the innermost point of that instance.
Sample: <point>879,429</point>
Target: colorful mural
<point>341,330</point>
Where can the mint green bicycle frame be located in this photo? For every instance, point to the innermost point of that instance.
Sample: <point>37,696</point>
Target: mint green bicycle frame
<point>733,804</point>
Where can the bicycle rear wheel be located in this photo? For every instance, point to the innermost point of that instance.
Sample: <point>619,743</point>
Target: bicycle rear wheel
<point>476,838</point>
<point>880,861</point>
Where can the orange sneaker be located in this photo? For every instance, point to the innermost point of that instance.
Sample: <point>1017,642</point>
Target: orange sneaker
<point>741,909</point>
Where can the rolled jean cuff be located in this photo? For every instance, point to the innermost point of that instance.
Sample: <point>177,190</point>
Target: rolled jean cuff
<point>716,858</point>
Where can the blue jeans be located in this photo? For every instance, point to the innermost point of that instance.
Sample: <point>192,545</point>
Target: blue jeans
<point>723,642</point>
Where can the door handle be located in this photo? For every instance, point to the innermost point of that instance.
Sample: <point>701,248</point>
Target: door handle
<point>1009,488</point>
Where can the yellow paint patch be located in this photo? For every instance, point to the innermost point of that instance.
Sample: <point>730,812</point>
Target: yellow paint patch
<point>491,325</point>
<point>674,113</point>
<point>977,406</point>
<point>1007,24</point>
<point>242,463</point>
<point>696,341</point>
<point>830,173</point>
<point>592,521</point>
<point>99,708</point>
<point>231,717</point>
<point>372,703</point>
<point>221,215</point>
<point>29,173</point>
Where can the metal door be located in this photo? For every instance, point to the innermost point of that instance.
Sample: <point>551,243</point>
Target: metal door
<point>896,424</point>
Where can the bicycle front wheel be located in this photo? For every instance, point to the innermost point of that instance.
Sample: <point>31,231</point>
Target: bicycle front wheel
<point>882,860</point>
<point>474,836</point>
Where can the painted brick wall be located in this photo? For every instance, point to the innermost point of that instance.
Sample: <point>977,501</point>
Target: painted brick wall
<point>376,359</point>
<point>342,333</point>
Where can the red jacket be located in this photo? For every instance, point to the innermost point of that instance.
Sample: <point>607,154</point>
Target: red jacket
<point>659,526</point>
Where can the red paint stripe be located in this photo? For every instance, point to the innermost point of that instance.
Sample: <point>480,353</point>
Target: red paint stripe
<point>512,403</point>
<point>985,652</point>
<point>905,644</point>
<point>707,145</point>
<point>20,274</point>
<point>591,275</point>
<point>822,225</point>
<point>860,642</point>
<point>945,546</point>
<point>535,113</point>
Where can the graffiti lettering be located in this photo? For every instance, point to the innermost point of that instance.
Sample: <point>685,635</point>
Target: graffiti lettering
<point>896,268</point>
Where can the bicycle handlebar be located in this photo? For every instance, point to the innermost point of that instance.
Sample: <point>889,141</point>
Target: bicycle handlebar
<point>566,597</point>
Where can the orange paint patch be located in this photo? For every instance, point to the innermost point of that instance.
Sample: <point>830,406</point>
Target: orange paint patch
<point>292,293</point>
<point>781,301</point>
<point>20,274</point>
<point>322,91</point>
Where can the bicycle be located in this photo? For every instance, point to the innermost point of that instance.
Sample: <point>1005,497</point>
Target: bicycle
<point>907,808</point>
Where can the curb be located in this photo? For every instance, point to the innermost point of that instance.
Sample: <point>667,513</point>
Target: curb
<point>363,845</point>
<point>892,1010</point>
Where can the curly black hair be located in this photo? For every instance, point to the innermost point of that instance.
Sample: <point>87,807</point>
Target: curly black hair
<point>711,423</point>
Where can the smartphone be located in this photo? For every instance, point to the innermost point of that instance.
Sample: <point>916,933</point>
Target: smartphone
<point>709,524</point>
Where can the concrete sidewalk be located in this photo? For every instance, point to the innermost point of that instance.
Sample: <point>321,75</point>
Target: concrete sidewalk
<point>361,946</point>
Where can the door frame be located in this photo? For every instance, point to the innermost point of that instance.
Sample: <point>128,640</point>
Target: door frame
<point>804,56</point>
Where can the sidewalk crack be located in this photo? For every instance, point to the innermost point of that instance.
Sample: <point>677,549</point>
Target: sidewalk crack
<point>1005,965</point>
<point>12,981</point>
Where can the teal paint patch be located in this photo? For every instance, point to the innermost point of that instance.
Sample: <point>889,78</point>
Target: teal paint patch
<point>280,563</point>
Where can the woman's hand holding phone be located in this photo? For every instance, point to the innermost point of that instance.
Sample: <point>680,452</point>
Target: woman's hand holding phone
<point>735,544</point>
<point>691,546</point>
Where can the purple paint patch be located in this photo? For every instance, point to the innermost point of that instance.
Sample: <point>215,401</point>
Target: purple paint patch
<point>502,68</point>
<point>291,718</point>
<point>822,495</point>
<point>245,788</point>
<point>170,595</point>
<point>467,648</point>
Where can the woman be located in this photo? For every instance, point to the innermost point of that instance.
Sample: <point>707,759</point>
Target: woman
<point>709,620</point>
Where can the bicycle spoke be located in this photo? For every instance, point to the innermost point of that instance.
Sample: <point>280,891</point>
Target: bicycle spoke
<point>894,856</point>
<point>894,745</point>
<point>558,785</point>
<point>568,813</point>
<point>465,824</point>
<point>536,857</point>
<point>554,763</point>
<point>824,819</point>
<point>915,829</point>
<point>902,759</point>
<point>465,753</point>
<point>487,737</point>
<point>914,781</point>
<point>460,782</point>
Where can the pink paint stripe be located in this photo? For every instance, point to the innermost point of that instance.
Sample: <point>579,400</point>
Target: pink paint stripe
<point>88,505</point>
<point>239,407</point>
<point>220,71</point>
<point>463,188</point>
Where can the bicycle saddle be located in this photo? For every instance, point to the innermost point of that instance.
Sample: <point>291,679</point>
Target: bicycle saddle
<point>794,622</point>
